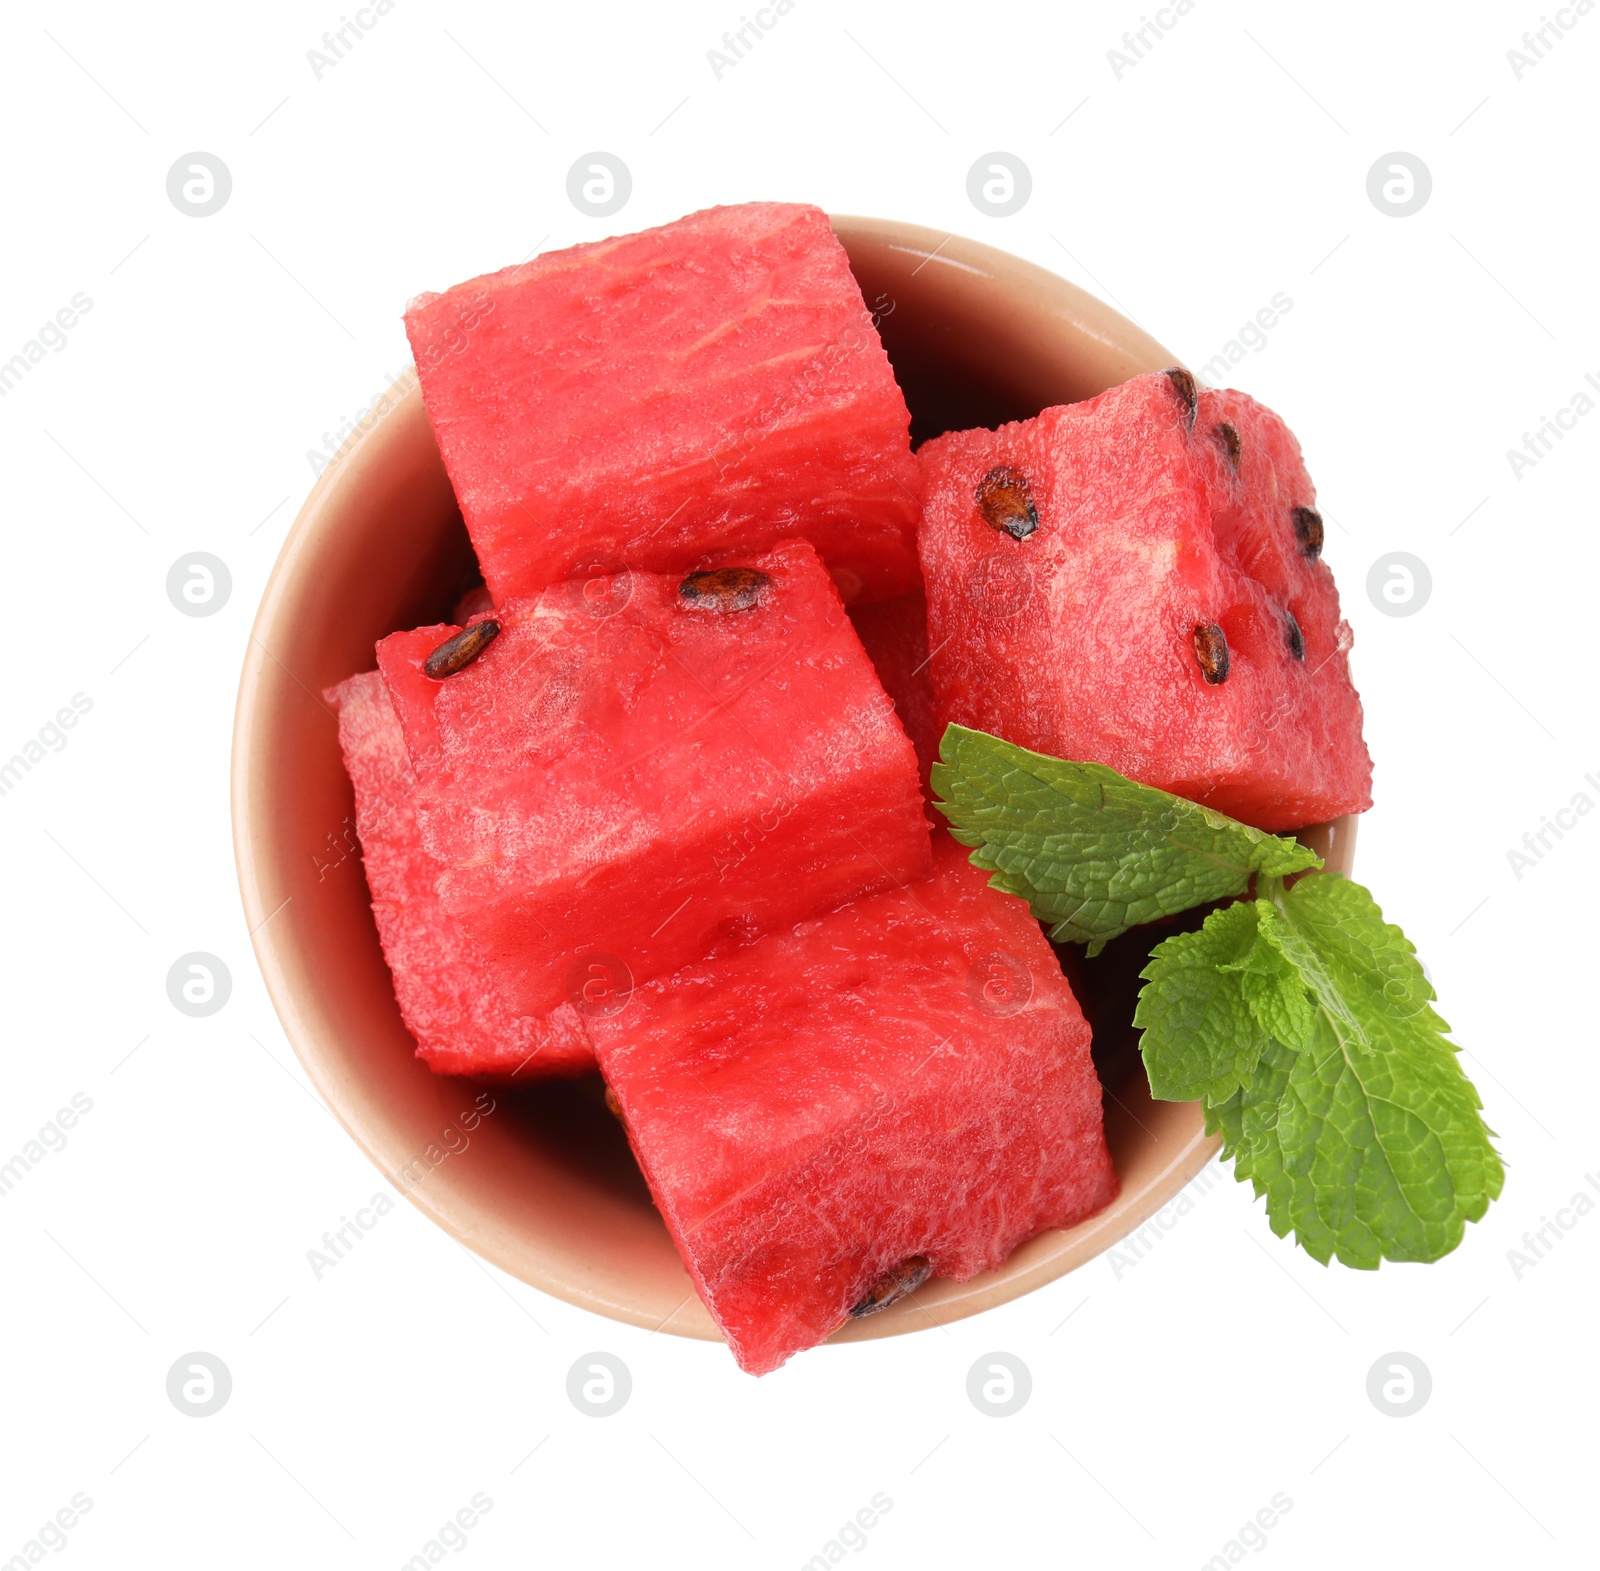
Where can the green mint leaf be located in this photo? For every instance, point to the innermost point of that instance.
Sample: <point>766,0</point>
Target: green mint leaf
<point>1300,1019</point>
<point>1272,985</point>
<point>1363,971</point>
<point>1354,1121</point>
<point>1386,1128</point>
<point>1201,1037</point>
<point>1248,1122</point>
<point>1301,961</point>
<point>1092,852</point>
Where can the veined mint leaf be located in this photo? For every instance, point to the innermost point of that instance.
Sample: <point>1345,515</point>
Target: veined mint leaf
<point>1299,958</point>
<point>1358,967</point>
<point>1201,1038</point>
<point>1386,1128</point>
<point>1300,1018</point>
<point>1355,1121</point>
<point>1092,852</point>
<point>1248,1121</point>
<point>1272,985</point>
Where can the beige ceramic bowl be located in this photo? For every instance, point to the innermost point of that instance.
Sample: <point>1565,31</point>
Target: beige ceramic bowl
<point>545,1186</point>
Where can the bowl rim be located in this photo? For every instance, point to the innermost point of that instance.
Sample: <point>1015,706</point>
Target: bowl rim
<point>1042,1259</point>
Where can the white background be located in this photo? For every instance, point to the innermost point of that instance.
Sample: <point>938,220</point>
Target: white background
<point>1228,165</point>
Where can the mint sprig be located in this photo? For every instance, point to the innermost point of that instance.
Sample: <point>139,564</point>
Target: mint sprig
<point>1091,851</point>
<point>1298,1018</point>
<point>1202,1040</point>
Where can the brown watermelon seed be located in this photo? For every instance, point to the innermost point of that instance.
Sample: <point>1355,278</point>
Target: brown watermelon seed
<point>1211,650</point>
<point>892,1286</point>
<point>725,588</point>
<point>1297,639</point>
<point>1230,444</point>
<point>456,654</point>
<point>1006,501</point>
<point>1183,382</point>
<point>1308,526</point>
<point>613,1104</point>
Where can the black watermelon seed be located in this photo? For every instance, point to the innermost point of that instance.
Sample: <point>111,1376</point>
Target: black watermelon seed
<point>1006,501</point>
<point>892,1286</point>
<point>1183,383</point>
<point>456,654</point>
<point>1211,650</point>
<point>1308,528</point>
<point>1230,444</point>
<point>1297,639</point>
<point>725,588</point>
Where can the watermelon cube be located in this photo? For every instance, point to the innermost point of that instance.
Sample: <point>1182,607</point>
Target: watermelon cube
<point>894,634</point>
<point>660,400</point>
<point>640,767</point>
<point>899,1088</point>
<point>446,986</point>
<point>1136,581</point>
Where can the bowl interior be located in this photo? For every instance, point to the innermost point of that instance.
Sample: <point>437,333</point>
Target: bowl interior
<point>539,1179</point>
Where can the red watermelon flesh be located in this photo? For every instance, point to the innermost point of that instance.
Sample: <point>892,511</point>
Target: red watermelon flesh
<point>906,1079</point>
<point>1261,507</point>
<point>1124,582</point>
<point>659,400</point>
<point>444,983</point>
<point>412,694</point>
<point>628,776</point>
<point>894,634</point>
<point>471,604</point>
